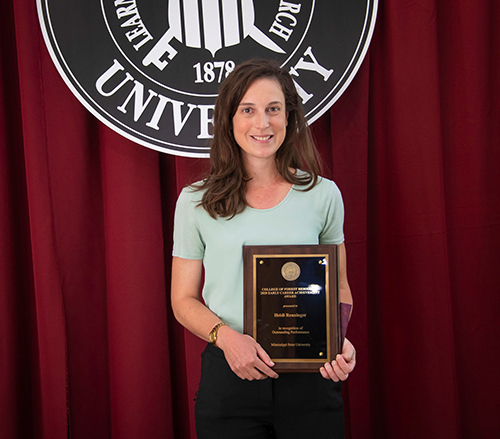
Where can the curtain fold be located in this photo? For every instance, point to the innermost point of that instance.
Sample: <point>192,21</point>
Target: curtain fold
<point>89,346</point>
<point>469,55</point>
<point>17,326</point>
<point>410,316</point>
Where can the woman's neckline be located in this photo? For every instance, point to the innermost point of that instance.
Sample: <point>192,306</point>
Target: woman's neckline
<point>282,201</point>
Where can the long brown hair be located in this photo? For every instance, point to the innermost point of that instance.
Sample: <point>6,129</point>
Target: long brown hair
<point>226,184</point>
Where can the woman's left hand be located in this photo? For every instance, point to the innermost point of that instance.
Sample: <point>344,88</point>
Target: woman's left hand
<point>340,368</point>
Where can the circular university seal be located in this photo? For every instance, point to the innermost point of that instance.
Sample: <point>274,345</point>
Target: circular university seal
<point>290,271</point>
<point>150,69</point>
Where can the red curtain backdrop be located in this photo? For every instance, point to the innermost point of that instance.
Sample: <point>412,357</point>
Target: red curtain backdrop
<point>88,344</point>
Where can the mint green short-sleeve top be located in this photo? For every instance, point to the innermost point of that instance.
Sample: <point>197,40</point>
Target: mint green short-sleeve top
<point>303,217</point>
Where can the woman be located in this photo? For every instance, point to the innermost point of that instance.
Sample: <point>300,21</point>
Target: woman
<point>263,188</point>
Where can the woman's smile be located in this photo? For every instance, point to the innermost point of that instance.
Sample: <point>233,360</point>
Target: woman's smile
<point>261,138</point>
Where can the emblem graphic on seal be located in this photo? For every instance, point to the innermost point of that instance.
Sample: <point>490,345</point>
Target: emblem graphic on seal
<point>290,271</point>
<point>151,69</point>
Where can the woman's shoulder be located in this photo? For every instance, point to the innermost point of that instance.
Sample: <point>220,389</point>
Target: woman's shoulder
<point>322,183</point>
<point>327,182</point>
<point>328,188</point>
<point>192,192</point>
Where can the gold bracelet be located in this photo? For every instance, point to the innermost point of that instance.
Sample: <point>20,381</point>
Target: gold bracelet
<point>213,333</point>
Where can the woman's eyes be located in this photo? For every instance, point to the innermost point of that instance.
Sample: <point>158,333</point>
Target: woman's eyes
<point>273,109</point>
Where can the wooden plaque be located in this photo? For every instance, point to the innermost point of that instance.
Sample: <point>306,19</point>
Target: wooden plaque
<point>291,302</point>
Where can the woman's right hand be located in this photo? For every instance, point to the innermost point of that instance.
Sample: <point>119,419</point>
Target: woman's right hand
<point>245,356</point>
<point>247,359</point>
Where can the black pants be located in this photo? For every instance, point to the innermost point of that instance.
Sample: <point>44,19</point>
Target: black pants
<point>301,406</point>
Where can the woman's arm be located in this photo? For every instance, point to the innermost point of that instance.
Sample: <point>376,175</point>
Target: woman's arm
<point>185,297</point>
<point>340,368</point>
<point>245,356</point>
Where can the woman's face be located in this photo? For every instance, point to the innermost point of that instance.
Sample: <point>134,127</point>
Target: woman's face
<point>259,125</point>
